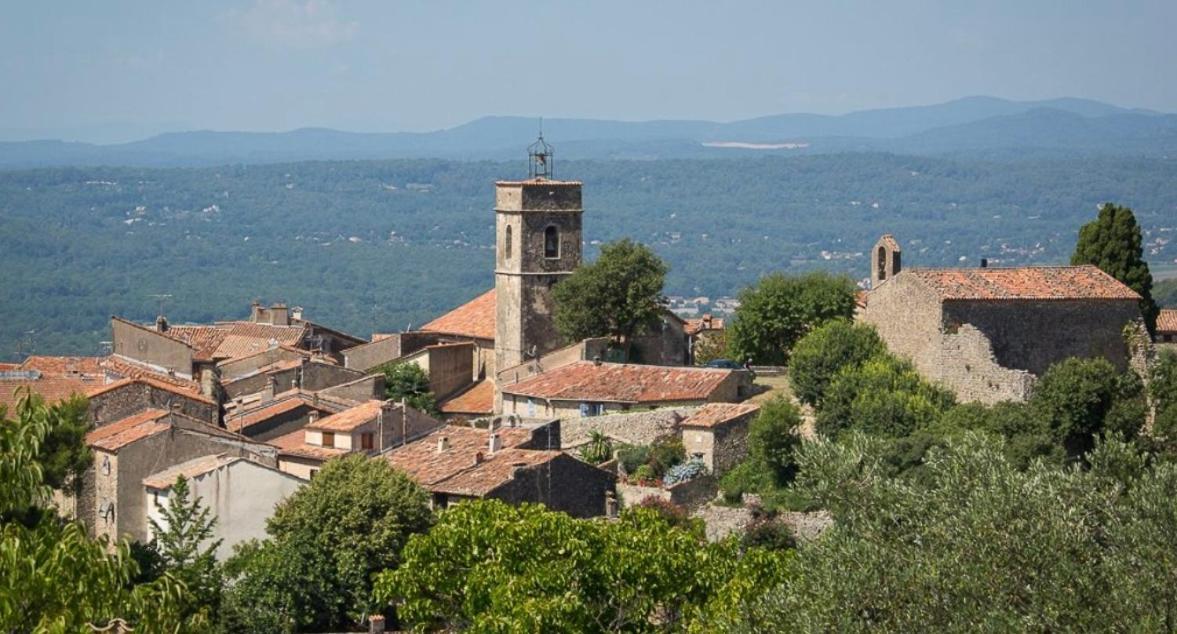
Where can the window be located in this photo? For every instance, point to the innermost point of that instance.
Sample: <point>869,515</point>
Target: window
<point>366,440</point>
<point>882,263</point>
<point>329,439</point>
<point>551,242</point>
<point>507,244</point>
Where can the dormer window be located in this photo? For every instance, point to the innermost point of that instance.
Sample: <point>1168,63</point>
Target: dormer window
<point>551,242</point>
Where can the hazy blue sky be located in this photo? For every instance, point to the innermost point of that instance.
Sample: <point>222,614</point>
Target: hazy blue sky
<point>127,68</point>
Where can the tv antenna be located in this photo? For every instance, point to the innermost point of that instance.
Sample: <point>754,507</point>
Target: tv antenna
<point>161,297</point>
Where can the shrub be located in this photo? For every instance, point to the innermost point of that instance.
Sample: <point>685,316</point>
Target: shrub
<point>688,470</point>
<point>632,456</point>
<point>821,354</point>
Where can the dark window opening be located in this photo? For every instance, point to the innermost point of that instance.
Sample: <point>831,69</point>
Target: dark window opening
<point>882,264</point>
<point>329,439</point>
<point>366,440</point>
<point>507,245</point>
<point>551,242</point>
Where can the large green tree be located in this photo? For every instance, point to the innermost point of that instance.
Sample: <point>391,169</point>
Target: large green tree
<point>326,541</point>
<point>488,566</point>
<point>776,312</point>
<point>187,545</point>
<point>55,578</point>
<point>62,454</point>
<point>773,439</point>
<point>822,353</point>
<point>981,545</point>
<point>409,382</point>
<point>619,295</point>
<point>1081,399</point>
<point>1113,243</point>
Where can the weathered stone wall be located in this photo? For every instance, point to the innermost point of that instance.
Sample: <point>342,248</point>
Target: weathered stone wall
<point>366,356</point>
<point>362,389</point>
<point>907,317</point>
<point>665,344</point>
<point>149,347</point>
<point>120,402</point>
<point>634,428</point>
<point>689,494</point>
<point>562,484</point>
<point>722,448</point>
<point>243,366</point>
<point>969,368</point>
<point>450,368</point>
<point>1032,336</point>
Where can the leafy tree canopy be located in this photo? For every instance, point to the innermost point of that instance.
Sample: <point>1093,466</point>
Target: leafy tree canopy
<point>618,295</point>
<point>490,566</point>
<point>776,312</point>
<point>819,355</point>
<point>410,382</point>
<point>1113,243</point>
<point>326,541</point>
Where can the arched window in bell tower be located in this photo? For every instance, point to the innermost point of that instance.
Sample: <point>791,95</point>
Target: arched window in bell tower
<point>551,242</point>
<point>882,263</point>
<point>507,244</point>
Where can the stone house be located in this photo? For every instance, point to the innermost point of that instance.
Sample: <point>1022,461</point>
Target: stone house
<point>987,333</point>
<point>241,494</point>
<point>513,464</point>
<point>125,451</point>
<point>118,400</point>
<point>287,413</point>
<point>717,433</point>
<point>1167,328</point>
<point>368,428</point>
<point>587,388</point>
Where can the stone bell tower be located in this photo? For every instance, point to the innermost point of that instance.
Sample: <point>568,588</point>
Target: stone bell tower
<point>537,243</point>
<point>886,260</point>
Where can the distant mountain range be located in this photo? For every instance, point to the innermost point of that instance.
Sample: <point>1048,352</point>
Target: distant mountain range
<point>989,126</point>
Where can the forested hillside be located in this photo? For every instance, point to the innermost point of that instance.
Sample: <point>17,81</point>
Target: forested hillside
<point>380,245</point>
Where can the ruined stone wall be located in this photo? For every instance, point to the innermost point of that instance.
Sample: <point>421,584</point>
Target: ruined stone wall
<point>562,484</point>
<point>1032,336</point>
<point>135,397</point>
<point>969,368</point>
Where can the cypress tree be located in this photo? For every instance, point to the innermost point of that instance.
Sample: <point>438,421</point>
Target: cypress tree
<point>1113,243</point>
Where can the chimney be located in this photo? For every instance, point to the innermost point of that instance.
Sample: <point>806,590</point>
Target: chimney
<point>279,315</point>
<point>271,385</point>
<point>443,444</point>
<point>596,359</point>
<point>313,417</point>
<point>255,311</point>
<point>984,263</point>
<point>161,323</point>
<point>496,443</point>
<point>477,458</point>
<point>376,624</point>
<point>296,313</point>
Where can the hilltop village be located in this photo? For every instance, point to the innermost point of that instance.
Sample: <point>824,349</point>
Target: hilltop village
<point>249,410</point>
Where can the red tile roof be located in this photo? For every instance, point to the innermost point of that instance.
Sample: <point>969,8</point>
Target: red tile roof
<point>243,422</point>
<point>51,387</point>
<point>474,319</point>
<point>492,472</point>
<point>1167,321</point>
<point>697,325</point>
<point>428,465</point>
<point>621,383</point>
<point>294,444</point>
<point>63,365</point>
<point>1023,283</point>
<point>191,469</point>
<point>477,399</point>
<point>350,418</point>
<point>714,415</point>
<point>121,368</point>
<point>123,432</point>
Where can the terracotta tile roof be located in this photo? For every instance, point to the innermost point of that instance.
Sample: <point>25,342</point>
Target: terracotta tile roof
<point>494,471</point>
<point>244,421</point>
<point>719,414</point>
<point>123,432</point>
<point>202,339</point>
<point>477,399</point>
<point>4,367</point>
<point>245,338</point>
<point>294,444</point>
<point>1023,283</point>
<point>350,418</point>
<point>63,365</point>
<point>51,387</point>
<point>151,381</point>
<point>1167,321</point>
<point>621,383</point>
<point>475,319</point>
<point>427,465</point>
<point>697,325</point>
<point>191,469</point>
<point>120,368</point>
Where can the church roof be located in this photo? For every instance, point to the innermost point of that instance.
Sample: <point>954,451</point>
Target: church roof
<point>1023,283</point>
<point>475,319</point>
<point>621,383</point>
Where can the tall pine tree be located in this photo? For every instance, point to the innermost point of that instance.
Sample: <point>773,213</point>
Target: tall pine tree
<point>1113,243</point>
<point>185,543</point>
